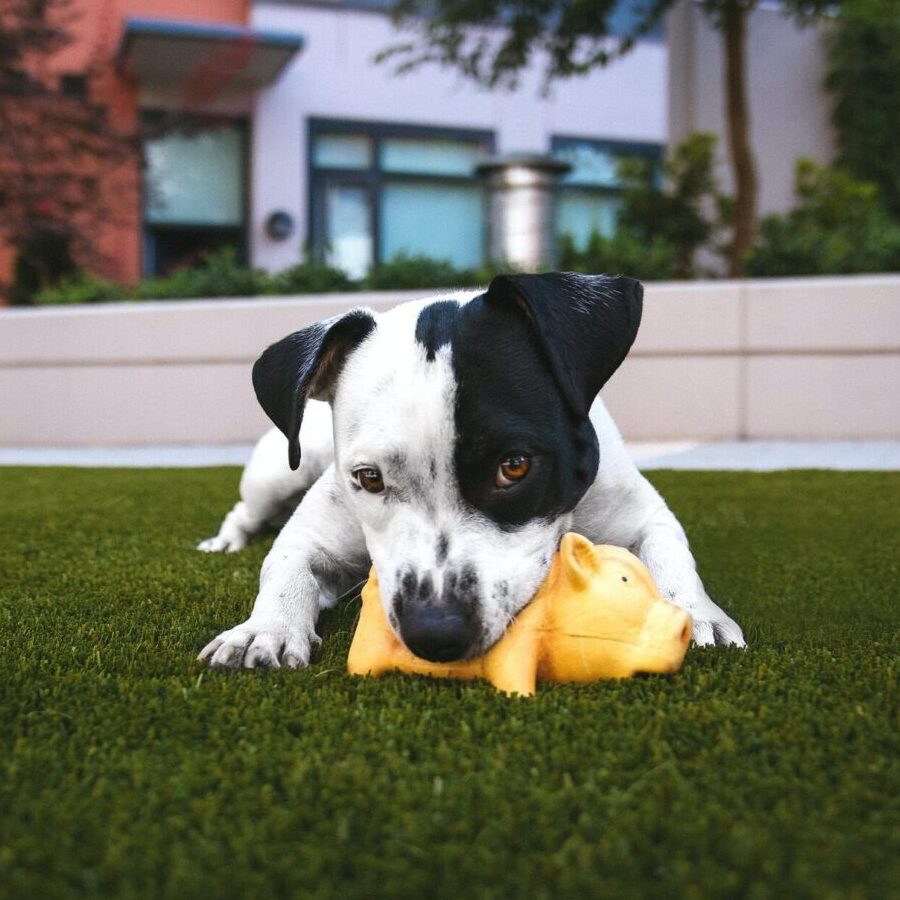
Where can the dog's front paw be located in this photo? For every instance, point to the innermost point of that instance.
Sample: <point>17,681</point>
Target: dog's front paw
<point>224,544</point>
<point>717,630</point>
<point>260,645</point>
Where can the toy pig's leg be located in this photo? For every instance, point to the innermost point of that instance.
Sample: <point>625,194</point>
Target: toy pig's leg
<point>511,664</point>
<point>320,552</point>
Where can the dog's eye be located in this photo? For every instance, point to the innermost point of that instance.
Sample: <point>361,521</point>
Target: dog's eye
<point>512,469</point>
<point>369,479</point>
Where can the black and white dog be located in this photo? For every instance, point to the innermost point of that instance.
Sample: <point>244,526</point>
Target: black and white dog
<point>466,439</point>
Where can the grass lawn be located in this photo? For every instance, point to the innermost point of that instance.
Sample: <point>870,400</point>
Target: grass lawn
<point>129,771</point>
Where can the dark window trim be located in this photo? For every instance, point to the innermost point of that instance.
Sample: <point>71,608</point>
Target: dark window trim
<point>372,178</point>
<point>153,116</point>
<point>171,226</point>
<point>381,129</point>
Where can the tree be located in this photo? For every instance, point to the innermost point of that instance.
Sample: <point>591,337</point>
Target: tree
<point>839,225</point>
<point>491,41</point>
<point>864,78</point>
<point>65,171</point>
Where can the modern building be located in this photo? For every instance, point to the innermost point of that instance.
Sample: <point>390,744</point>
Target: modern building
<point>269,126</point>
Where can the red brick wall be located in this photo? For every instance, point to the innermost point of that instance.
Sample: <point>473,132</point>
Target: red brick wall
<point>96,29</point>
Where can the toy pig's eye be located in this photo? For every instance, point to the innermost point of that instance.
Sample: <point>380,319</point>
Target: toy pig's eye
<point>369,479</point>
<point>512,469</point>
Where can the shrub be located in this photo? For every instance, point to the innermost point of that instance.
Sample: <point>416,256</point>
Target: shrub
<point>839,226</point>
<point>43,261</point>
<point>81,289</point>
<point>219,275</point>
<point>681,214</point>
<point>312,278</point>
<point>864,79</point>
<point>621,254</point>
<point>659,229</point>
<point>417,271</point>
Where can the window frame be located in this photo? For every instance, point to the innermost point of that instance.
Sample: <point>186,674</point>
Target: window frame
<point>373,178</point>
<point>649,150</point>
<point>152,126</point>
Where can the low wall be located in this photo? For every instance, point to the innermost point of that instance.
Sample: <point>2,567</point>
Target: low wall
<point>787,358</point>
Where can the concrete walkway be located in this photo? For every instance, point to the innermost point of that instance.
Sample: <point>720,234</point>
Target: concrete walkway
<point>749,455</point>
<point>766,456</point>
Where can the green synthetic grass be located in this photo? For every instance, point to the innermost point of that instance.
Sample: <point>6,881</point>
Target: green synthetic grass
<point>128,770</point>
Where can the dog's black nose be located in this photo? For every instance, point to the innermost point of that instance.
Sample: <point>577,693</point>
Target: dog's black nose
<point>436,633</point>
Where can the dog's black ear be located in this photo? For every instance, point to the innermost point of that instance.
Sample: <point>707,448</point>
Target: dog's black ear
<point>586,325</point>
<point>304,366</point>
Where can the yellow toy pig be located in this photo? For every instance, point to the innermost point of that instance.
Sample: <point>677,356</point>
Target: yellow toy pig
<point>597,615</point>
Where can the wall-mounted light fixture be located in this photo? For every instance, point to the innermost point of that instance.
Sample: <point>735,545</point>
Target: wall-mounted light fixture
<point>279,225</point>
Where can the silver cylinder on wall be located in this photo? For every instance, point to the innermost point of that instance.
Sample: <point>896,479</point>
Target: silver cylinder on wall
<point>521,209</point>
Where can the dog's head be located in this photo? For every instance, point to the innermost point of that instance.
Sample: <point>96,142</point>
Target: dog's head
<point>462,438</point>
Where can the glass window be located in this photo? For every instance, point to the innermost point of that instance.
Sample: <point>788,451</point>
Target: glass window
<point>579,214</point>
<point>589,198</point>
<point>591,165</point>
<point>422,218</point>
<point>342,151</point>
<point>349,221</point>
<point>383,190</point>
<point>195,179</point>
<point>194,194</point>
<point>430,157</point>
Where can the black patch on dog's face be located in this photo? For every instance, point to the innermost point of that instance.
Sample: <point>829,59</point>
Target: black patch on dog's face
<point>509,403</point>
<point>434,326</point>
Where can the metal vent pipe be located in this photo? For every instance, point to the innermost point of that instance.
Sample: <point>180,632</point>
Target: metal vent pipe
<point>521,209</point>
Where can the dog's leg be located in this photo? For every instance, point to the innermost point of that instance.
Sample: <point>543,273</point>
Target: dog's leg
<point>623,508</point>
<point>269,489</point>
<point>663,547</point>
<point>643,523</point>
<point>320,552</point>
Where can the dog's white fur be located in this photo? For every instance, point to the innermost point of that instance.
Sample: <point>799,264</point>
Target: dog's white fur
<point>394,411</point>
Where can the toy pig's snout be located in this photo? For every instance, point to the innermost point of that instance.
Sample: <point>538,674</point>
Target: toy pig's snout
<point>665,637</point>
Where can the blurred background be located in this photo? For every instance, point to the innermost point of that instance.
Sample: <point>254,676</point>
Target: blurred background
<point>328,149</point>
<point>139,136</point>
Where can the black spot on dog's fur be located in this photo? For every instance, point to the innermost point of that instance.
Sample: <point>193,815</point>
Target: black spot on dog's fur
<point>461,589</point>
<point>529,356</point>
<point>408,582</point>
<point>434,326</point>
<point>509,402</point>
<point>443,544</point>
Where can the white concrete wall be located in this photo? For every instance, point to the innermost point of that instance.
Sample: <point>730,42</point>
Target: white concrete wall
<point>793,358</point>
<point>336,77</point>
<point>789,109</point>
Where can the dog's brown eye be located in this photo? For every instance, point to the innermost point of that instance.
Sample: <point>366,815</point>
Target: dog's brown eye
<point>369,479</point>
<point>512,469</point>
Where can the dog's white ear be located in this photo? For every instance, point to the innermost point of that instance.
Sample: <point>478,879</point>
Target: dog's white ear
<point>585,323</point>
<point>304,366</point>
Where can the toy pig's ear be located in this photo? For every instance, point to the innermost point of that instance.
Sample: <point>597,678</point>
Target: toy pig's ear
<point>578,559</point>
